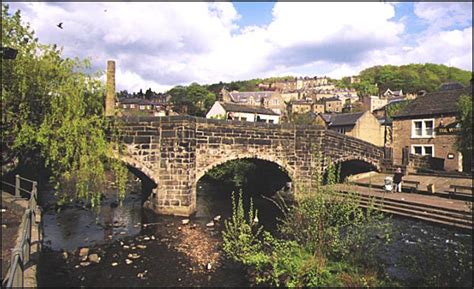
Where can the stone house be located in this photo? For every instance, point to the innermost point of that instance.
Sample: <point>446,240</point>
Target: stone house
<point>141,106</point>
<point>299,106</point>
<point>268,99</point>
<point>242,112</point>
<point>427,127</point>
<point>332,104</point>
<point>373,102</point>
<point>361,125</point>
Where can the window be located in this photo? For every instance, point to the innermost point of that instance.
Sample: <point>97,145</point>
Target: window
<point>423,150</point>
<point>422,128</point>
<point>124,106</point>
<point>132,106</point>
<point>142,107</point>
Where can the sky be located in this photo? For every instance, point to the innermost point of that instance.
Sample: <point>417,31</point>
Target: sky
<point>159,45</point>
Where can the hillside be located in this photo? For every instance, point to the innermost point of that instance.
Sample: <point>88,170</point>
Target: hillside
<point>413,77</point>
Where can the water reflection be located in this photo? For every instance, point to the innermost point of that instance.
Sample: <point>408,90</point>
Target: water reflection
<point>75,226</point>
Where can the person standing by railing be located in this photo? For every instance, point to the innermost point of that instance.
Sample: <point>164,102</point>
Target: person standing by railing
<point>397,179</point>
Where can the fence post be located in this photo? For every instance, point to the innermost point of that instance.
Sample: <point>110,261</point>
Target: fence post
<point>17,186</point>
<point>34,195</point>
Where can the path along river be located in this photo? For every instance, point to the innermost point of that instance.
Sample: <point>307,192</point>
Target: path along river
<point>138,248</point>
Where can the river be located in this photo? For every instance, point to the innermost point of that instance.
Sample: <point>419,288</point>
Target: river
<point>161,251</point>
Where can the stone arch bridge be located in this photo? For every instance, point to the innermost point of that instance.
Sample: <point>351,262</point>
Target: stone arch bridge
<point>176,151</point>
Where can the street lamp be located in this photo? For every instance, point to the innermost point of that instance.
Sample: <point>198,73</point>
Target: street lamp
<point>8,52</point>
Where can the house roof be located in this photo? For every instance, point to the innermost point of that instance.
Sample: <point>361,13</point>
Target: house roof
<point>393,92</point>
<point>451,85</point>
<point>302,101</point>
<point>139,101</point>
<point>331,99</point>
<point>341,119</point>
<point>435,103</point>
<point>244,96</point>
<point>233,107</point>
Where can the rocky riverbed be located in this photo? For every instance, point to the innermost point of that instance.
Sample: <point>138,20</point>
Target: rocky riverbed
<point>130,246</point>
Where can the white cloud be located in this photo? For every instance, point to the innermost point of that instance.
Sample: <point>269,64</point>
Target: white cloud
<point>442,15</point>
<point>160,45</point>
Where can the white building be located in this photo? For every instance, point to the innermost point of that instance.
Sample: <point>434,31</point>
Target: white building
<point>373,102</point>
<point>232,111</point>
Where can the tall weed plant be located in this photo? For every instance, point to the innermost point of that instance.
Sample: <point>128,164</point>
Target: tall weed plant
<point>326,239</point>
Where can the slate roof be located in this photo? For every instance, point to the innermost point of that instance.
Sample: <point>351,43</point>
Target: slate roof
<point>244,96</point>
<point>228,106</point>
<point>435,103</point>
<point>341,119</point>
<point>331,99</point>
<point>139,101</point>
<point>302,101</point>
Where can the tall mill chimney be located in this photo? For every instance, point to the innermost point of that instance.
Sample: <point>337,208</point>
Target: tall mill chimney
<point>110,90</point>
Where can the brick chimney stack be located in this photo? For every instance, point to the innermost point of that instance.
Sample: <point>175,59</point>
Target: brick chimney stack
<point>110,89</point>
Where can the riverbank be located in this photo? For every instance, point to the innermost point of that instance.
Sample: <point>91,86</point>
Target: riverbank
<point>164,252</point>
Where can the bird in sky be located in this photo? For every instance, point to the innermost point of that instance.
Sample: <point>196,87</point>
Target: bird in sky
<point>60,25</point>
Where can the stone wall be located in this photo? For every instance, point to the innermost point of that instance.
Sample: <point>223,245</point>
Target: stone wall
<point>444,145</point>
<point>175,152</point>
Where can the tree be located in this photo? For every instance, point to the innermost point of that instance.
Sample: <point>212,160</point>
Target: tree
<point>52,110</point>
<point>464,140</point>
<point>193,100</point>
<point>412,78</point>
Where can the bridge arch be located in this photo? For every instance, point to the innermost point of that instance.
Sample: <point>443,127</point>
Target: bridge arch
<point>232,157</point>
<point>353,165</point>
<point>369,161</point>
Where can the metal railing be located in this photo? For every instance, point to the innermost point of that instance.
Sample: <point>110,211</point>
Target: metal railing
<point>22,252</point>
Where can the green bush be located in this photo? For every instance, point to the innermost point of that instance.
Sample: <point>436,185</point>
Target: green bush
<point>325,242</point>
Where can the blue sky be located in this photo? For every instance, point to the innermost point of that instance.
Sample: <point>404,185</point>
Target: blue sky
<point>160,45</point>
<point>254,13</point>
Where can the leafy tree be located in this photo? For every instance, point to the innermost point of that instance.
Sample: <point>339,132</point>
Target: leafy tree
<point>464,140</point>
<point>123,94</point>
<point>303,118</point>
<point>149,93</point>
<point>53,110</point>
<point>412,78</point>
<point>365,88</point>
<point>234,173</point>
<point>193,100</point>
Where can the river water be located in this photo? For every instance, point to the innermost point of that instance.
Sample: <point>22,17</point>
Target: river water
<point>161,251</point>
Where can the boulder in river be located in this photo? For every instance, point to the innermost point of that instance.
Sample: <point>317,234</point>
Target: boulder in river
<point>133,256</point>
<point>185,221</point>
<point>217,218</point>
<point>94,258</point>
<point>210,224</point>
<point>128,261</point>
<point>85,264</point>
<point>83,252</point>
